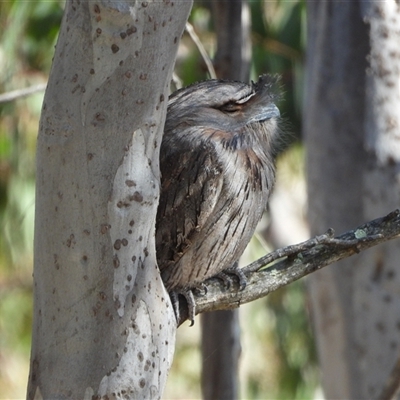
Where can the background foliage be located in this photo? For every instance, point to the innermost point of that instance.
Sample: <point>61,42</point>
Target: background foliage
<point>278,359</point>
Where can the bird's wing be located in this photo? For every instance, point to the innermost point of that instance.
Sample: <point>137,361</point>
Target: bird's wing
<point>191,185</point>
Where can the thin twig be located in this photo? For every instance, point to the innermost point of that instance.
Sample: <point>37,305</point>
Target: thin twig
<point>203,52</point>
<point>18,93</point>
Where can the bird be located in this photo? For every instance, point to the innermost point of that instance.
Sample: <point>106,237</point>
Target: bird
<point>217,164</point>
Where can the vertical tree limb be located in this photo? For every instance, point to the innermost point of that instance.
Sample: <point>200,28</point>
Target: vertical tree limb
<point>102,322</point>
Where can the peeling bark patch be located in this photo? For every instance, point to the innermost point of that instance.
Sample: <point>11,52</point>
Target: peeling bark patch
<point>139,362</point>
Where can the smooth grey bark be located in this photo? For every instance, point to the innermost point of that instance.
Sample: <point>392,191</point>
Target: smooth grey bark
<point>103,325</point>
<point>220,341</point>
<point>351,128</point>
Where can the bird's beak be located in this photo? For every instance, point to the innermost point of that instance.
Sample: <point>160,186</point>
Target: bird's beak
<point>271,111</point>
<point>266,112</point>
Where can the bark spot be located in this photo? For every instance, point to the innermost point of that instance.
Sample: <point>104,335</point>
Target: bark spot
<point>132,222</point>
<point>130,183</point>
<point>116,262</point>
<point>123,35</point>
<point>114,48</point>
<point>129,278</point>
<point>117,244</point>
<point>140,356</point>
<point>102,296</point>
<point>100,117</point>
<point>96,9</point>
<point>143,77</point>
<point>104,228</point>
<point>71,240</point>
<point>147,365</point>
<point>130,31</point>
<point>122,203</point>
<point>91,71</point>
<point>124,242</point>
<point>142,383</point>
<point>137,196</point>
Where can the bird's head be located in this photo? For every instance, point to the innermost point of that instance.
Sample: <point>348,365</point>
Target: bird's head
<point>225,105</point>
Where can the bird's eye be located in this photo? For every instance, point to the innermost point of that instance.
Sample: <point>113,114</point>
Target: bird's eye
<point>230,107</point>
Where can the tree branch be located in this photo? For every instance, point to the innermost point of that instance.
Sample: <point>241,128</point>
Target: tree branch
<point>18,93</point>
<point>295,262</point>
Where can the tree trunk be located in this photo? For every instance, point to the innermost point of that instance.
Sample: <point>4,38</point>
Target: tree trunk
<point>220,329</point>
<point>351,126</point>
<point>103,325</point>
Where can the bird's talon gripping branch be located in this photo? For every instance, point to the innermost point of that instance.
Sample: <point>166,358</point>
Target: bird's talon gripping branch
<point>226,276</point>
<point>191,304</point>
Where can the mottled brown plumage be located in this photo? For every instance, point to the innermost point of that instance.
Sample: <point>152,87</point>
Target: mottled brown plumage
<point>217,167</point>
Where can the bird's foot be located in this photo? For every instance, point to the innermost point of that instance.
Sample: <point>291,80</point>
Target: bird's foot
<point>191,304</point>
<point>226,277</point>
